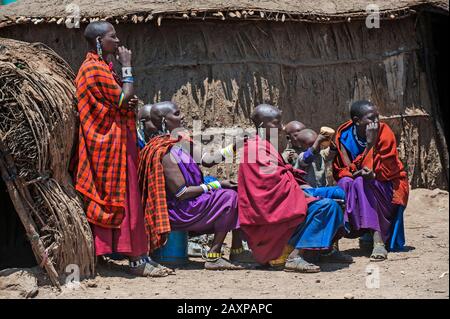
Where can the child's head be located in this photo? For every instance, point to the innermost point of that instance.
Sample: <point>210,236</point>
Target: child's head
<point>306,138</point>
<point>292,130</point>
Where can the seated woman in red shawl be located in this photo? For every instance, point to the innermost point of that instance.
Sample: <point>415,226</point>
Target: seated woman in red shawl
<point>368,168</point>
<point>273,210</point>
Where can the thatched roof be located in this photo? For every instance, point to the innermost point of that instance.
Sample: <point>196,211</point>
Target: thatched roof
<point>137,11</point>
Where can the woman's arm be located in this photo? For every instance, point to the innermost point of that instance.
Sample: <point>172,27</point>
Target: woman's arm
<point>175,180</point>
<point>345,156</point>
<point>209,160</point>
<point>124,57</point>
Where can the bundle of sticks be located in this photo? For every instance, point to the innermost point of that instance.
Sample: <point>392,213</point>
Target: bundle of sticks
<point>37,129</point>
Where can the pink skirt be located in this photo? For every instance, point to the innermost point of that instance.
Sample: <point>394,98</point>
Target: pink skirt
<point>130,239</point>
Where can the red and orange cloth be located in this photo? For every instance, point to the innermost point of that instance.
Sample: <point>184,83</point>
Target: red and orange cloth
<point>153,188</point>
<point>383,159</point>
<point>100,172</point>
<point>271,202</point>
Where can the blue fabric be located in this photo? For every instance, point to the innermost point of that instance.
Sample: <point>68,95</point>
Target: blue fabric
<point>333,192</point>
<point>141,144</point>
<point>351,145</point>
<point>140,138</point>
<point>208,179</point>
<point>323,220</point>
<point>308,156</point>
<point>397,241</point>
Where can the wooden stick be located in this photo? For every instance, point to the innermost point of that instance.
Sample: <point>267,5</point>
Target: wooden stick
<point>403,116</point>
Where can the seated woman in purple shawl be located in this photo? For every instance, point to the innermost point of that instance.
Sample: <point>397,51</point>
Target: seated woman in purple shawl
<point>193,204</point>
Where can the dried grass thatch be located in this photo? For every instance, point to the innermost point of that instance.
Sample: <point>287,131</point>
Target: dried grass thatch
<point>154,11</point>
<point>37,125</point>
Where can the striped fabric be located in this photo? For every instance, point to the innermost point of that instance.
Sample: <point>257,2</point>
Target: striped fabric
<point>100,174</point>
<point>153,188</point>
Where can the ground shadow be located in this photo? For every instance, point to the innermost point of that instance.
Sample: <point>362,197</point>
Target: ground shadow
<point>192,264</point>
<point>113,269</point>
<point>358,252</point>
<point>366,252</point>
<point>330,267</point>
<point>405,249</point>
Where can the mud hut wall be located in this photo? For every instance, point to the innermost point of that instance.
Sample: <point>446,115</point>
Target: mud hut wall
<point>218,71</point>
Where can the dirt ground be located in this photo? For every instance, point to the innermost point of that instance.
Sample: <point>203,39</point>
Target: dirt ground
<point>419,272</point>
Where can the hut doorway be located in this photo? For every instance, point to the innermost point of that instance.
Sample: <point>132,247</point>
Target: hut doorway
<point>15,249</point>
<point>439,27</point>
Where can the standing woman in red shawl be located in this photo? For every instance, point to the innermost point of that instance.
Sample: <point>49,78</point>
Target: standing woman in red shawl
<point>106,172</point>
<point>368,168</point>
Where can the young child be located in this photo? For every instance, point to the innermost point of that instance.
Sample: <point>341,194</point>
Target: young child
<point>310,152</point>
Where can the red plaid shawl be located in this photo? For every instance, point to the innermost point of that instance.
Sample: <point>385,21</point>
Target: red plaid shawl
<point>153,188</point>
<point>383,159</point>
<point>101,169</point>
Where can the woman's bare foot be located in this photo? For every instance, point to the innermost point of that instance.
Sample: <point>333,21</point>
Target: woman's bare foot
<point>336,256</point>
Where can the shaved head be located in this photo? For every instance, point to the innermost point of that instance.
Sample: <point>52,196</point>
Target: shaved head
<point>97,29</point>
<point>264,113</point>
<point>307,137</point>
<point>359,108</point>
<point>294,126</point>
<point>167,113</point>
<point>144,118</point>
<point>145,112</point>
<point>161,109</point>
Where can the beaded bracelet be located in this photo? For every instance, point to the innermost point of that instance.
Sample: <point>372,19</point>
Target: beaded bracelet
<point>128,79</point>
<point>228,151</point>
<point>215,185</point>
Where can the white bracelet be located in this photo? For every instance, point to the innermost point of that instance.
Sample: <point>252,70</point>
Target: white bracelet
<point>126,71</point>
<point>181,191</point>
<point>205,188</point>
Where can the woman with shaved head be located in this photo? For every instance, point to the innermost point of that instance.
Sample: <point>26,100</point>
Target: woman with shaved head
<point>176,195</point>
<point>106,172</point>
<point>283,226</point>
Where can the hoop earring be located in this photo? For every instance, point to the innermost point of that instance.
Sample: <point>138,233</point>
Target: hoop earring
<point>163,125</point>
<point>261,130</point>
<point>99,48</point>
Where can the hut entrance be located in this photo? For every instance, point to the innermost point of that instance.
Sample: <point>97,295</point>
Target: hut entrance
<point>439,27</point>
<point>15,249</point>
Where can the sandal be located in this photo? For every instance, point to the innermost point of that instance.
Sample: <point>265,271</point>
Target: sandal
<point>379,253</point>
<point>155,264</point>
<point>336,256</point>
<point>143,268</point>
<point>281,261</point>
<point>242,255</point>
<point>298,264</point>
<point>214,261</point>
